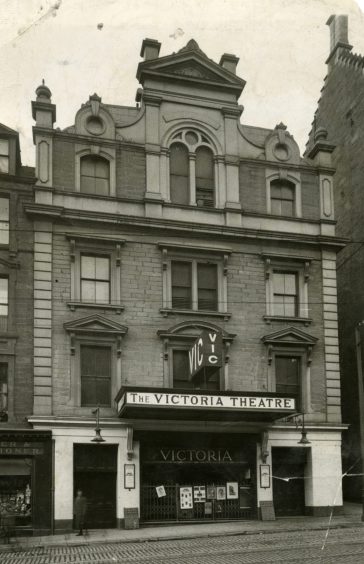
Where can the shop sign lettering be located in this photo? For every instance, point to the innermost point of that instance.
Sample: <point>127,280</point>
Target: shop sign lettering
<point>195,455</point>
<point>25,448</point>
<point>234,402</point>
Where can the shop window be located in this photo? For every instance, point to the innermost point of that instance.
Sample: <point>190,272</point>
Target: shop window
<point>95,279</point>
<point>194,285</point>
<point>288,376</point>
<point>3,391</point>
<point>95,175</point>
<point>4,221</point>
<point>285,294</point>
<point>179,174</point>
<point>180,368</point>
<point>15,489</point>
<point>282,193</point>
<point>4,156</point>
<point>204,177</point>
<point>95,375</point>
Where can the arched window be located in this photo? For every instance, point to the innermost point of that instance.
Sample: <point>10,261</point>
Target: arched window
<point>205,181</point>
<point>95,175</point>
<point>179,174</point>
<point>282,196</point>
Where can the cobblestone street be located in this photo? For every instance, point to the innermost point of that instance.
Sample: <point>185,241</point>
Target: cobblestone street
<point>343,546</point>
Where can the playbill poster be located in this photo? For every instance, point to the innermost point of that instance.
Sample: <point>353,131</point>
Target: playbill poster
<point>186,497</point>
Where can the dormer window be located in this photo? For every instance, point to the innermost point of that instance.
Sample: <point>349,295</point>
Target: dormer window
<point>95,175</point>
<point>4,156</point>
<point>192,170</point>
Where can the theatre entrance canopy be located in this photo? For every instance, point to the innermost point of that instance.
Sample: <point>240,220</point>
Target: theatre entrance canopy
<point>168,403</point>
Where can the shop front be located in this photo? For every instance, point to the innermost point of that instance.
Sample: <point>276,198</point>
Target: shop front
<point>26,480</point>
<point>200,477</point>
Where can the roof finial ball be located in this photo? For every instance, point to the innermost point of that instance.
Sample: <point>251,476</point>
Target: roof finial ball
<point>43,93</point>
<point>320,134</point>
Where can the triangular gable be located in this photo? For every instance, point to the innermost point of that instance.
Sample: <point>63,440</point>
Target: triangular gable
<point>192,64</point>
<point>290,336</point>
<point>95,324</point>
<point>4,130</point>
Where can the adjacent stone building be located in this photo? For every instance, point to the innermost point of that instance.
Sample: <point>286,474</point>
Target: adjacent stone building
<point>25,454</point>
<point>163,226</point>
<point>340,115</point>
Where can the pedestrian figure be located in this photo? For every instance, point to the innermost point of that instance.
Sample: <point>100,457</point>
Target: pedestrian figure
<point>80,509</point>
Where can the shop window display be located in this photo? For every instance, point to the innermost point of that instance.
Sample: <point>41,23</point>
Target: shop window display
<point>16,493</point>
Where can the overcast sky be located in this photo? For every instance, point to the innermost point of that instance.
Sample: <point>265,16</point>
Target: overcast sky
<point>85,46</point>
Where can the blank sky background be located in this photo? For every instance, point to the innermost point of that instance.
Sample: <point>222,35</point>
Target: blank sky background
<point>282,46</point>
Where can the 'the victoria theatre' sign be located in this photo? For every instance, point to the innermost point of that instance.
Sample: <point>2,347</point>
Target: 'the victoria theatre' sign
<point>200,401</point>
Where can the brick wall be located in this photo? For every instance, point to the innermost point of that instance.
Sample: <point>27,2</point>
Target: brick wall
<point>141,295</point>
<point>252,187</point>
<point>17,343</point>
<point>341,112</point>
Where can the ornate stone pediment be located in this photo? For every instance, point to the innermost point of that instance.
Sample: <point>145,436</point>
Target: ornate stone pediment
<point>190,63</point>
<point>95,324</point>
<point>290,336</point>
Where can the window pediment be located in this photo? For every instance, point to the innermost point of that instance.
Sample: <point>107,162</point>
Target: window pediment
<point>190,331</point>
<point>290,336</point>
<point>95,324</point>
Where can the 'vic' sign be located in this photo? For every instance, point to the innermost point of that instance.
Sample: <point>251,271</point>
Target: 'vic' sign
<point>205,355</point>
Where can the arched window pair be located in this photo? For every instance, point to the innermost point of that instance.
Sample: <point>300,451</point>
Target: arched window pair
<point>95,175</point>
<point>192,178</point>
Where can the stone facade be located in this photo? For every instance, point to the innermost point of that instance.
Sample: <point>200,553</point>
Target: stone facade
<point>188,99</point>
<point>340,113</point>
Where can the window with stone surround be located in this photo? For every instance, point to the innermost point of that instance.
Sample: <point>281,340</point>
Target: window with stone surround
<point>285,293</point>
<point>282,193</point>
<point>289,355</point>
<point>287,279</point>
<point>95,375</point>
<point>4,221</point>
<point>180,371</point>
<point>194,280</point>
<point>192,170</point>
<point>95,360</point>
<point>3,391</point>
<point>95,279</point>
<point>4,303</point>
<point>288,376</point>
<point>95,175</point>
<point>4,156</point>
<point>95,272</point>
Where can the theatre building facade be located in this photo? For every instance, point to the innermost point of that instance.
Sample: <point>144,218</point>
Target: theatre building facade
<point>185,305</point>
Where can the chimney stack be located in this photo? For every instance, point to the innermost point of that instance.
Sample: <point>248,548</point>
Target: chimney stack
<point>229,62</point>
<point>150,49</point>
<point>338,33</point>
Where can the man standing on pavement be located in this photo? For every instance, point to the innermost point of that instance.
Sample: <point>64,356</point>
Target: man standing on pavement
<point>80,510</point>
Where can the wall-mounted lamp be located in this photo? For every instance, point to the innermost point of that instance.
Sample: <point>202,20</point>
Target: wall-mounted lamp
<point>300,423</point>
<point>97,438</point>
